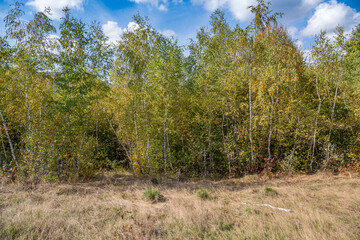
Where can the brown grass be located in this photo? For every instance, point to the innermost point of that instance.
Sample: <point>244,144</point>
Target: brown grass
<point>323,206</point>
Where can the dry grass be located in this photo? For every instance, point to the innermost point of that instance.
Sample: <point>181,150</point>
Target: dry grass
<point>322,206</point>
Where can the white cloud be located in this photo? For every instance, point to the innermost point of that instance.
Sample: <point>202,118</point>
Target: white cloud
<point>168,33</point>
<point>239,8</point>
<point>52,43</point>
<point>52,38</point>
<point>292,31</point>
<point>56,6</point>
<point>307,56</point>
<point>114,32</point>
<point>310,3</point>
<point>132,26</point>
<point>159,4</point>
<point>162,7</point>
<point>210,5</point>
<point>304,8</point>
<point>299,43</point>
<point>294,9</point>
<point>328,16</point>
<point>294,34</point>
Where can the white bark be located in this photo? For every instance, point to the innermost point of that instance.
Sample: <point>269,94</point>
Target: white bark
<point>169,149</point>
<point>250,120</point>
<point>79,155</point>
<point>316,123</point>
<point>224,142</point>
<point>164,133</point>
<point>295,138</point>
<point>271,121</point>
<point>9,139</point>
<point>3,145</point>
<point>118,138</point>
<point>28,109</point>
<point>332,121</point>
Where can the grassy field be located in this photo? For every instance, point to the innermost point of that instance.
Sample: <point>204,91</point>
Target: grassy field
<point>121,206</point>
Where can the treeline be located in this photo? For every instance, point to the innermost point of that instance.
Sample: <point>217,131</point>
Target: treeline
<point>242,101</point>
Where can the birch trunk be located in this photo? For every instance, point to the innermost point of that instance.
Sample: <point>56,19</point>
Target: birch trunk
<point>118,138</point>
<point>209,130</point>
<point>28,109</point>
<point>164,126</point>
<point>169,150</point>
<point>295,138</point>
<point>136,129</point>
<point>316,123</point>
<point>224,142</point>
<point>147,139</point>
<point>182,145</point>
<point>3,145</point>
<point>204,162</point>
<point>148,148</point>
<point>79,155</point>
<point>137,141</point>
<point>209,145</point>
<point>274,104</point>
<point>332,121</point>
<point>250,120</point>
<point>9,139</point>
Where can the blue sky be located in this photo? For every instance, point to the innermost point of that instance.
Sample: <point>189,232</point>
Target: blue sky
<point>183,18</point>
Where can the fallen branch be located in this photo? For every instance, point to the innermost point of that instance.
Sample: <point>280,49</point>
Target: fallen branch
<point>270,206</point>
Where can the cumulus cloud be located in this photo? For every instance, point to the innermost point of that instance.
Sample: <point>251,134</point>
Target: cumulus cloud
<point>132,26</point>
<point>307,56</point>
<point>294,34</point>
<point>295,9</point>
<point>56,6</point>
<point>168,33</point>
<point>238,8</point>
<point>114,32</point>
<point>52,43</point>
<point>329,15</point>
<point>162,7</point>
<point>210,5</point>
<point>299,43</point>
<point>159,4</point>
<point>292,31</point>
<point>310,4</point>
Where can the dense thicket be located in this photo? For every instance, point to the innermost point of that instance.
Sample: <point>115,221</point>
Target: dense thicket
<point>242,101</point>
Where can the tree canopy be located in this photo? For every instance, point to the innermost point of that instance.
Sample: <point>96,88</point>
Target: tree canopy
<point>244,100</point>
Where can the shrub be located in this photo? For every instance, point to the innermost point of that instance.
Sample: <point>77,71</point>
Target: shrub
<point>154,181</point>
<point>226,226</point>
<point>270,191</point>
<point>151,193</point>
<point>203,193</point>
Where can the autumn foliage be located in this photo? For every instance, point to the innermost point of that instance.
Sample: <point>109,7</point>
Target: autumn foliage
<point>234,101</point>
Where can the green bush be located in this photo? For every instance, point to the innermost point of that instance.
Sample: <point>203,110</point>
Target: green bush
<point>155,181</point>
<point>226,226</point>
<point>270,191</point>
<point>203,193</point>
<point>151,193</point>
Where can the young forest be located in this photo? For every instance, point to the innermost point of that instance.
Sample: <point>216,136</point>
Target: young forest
<point>235,101</point>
